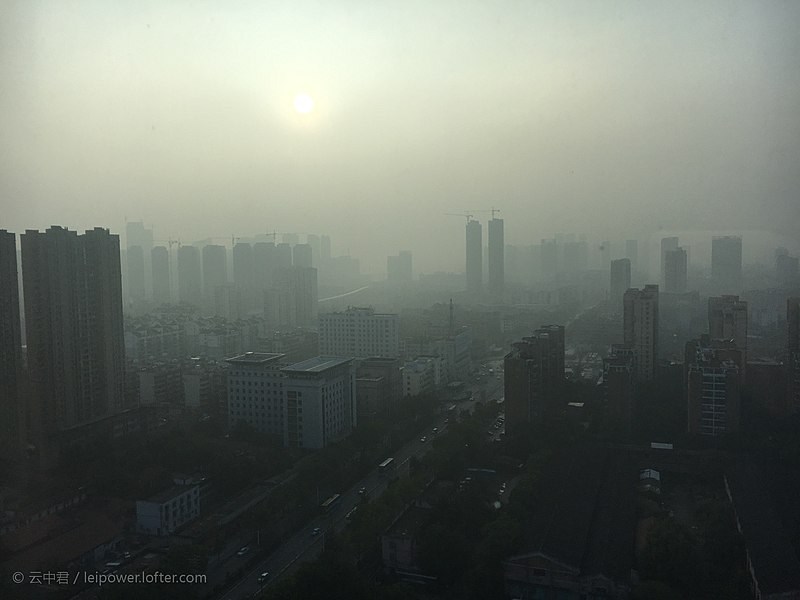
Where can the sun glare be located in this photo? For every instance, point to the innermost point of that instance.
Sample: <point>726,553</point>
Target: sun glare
<point>303,104</point>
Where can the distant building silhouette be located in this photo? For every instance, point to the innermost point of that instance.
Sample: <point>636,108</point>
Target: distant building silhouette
<point>496,258</point>
<point>135,273</point>
<point>727,320</point>
<point>620,282</point>
<point>640,329</point>
<point>215,272</point>
<point>398,268</point>
<point>283,256</point>
<point>726,264</point>
<point>189,275</point>
<point>302,256</point>
<point>667,244</point>
<point>619,385</point>
<point>474,256</point>
<point>675,271</point>
<point>159,259</point>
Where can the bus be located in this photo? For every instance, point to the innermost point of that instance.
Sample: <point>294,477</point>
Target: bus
<point>330,503</point>
<point>386,465</point>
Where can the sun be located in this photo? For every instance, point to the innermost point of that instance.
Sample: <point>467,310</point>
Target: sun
<point>303,103</point>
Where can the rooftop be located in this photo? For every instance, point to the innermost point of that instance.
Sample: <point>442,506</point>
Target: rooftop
<point>255,358</point>
<point>318,364</point>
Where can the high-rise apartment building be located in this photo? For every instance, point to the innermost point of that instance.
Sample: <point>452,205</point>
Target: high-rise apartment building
<point>10,344</point>
<point>726,264</point>
<point>727,320</point>
<point>667,245</point>
<point>302,256</point>
<point>496,259</point>
<point>534,378</point>
<point>713,380</point>
<point>73,302</point>
<point>359,333</point>
<point>640,329</point>
<point>283,256</point>
<point>159,260</point>
<point>619,385</point>
<point>189,275</point>
<point>620,282</point>
<point>243,265</point>
<point>264,264</point>
<point>474,256</point>
<point>321,405</point>
<point>215,271</point>
<point>676,265</point>
<point>793,353</point>
<point>135,285</point>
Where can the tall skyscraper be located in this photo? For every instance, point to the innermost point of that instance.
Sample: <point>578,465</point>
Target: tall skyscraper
<point>243,265</point>
<point>474,256</point>
<point>283,256</point>
<point>264,258</point>
<point>496,259</point>
<point>620,282</point>
<point>632,253</point>
<point>727,320</point>
<point>10,344</point>
<point>713,380</point>
<point>302,256</point>
<point>135,282</point>
<point>640,329</point>
<point>667,244</point>
<point>215,271</point>
<point>793,353</point>
<point>534,378</point>
<point>675,271</point>
<point>159,259</point>
<point>73,301</point>
<point>726,264</point>
<point>189,275</point>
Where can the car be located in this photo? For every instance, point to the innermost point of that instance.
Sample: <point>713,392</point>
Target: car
<point>423,439</point>
<point>362,491</point>
<point>263,577</point>
<point>316,531</point>
<point>435,430</point>
<point>243,550</point>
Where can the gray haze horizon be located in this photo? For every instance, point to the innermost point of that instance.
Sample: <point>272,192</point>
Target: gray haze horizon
<point>614,120</point>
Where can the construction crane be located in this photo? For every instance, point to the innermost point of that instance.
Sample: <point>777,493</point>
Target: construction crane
<point>170,242</point>
<point>491,210</point>
<point>467,215</point>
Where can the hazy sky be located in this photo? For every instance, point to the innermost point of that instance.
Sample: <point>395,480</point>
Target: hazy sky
<point>606,118</point>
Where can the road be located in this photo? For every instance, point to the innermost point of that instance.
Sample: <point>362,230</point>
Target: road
<point>303,546</point>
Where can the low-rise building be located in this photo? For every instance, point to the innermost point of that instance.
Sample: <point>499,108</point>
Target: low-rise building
<point>167,511</point>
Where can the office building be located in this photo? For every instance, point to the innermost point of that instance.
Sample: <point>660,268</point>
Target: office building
<point>727,320</point>
<point>302,256</point>
<point>215,272</point>
<point>675,271</point>
<point>620,282</point>
<point>189,275</point>
<point>398,268</point>
<point>667,244</point>
<point>73,302</point>
<point>640,329</point>
<point>359,333</point>
<point>534,378</point>
<point>793,353</point>
<point>321,405</point>
<point>474,267</point>
<point>496,258</point>
<point>10,345</point>
<point>726,264</point>
<point>256,394</point>
<point>135,273</point>
<point>378,388</point>
<point>159,260</point>
<point>713,380</point>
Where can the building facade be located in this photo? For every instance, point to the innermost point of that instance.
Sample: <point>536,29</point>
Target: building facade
<point>474,265</point>
<point>359,333</point>
<point>713,380</point>
<point>256,394</point>
<point>164,513</point>
<point>640,329</point>
<point>10,344</point>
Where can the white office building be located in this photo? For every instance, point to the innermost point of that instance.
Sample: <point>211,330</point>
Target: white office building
<point>167,511</point>
<point>256,391</point>
<point>359,333</point>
